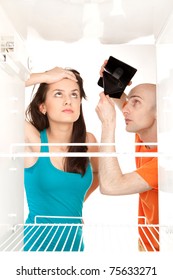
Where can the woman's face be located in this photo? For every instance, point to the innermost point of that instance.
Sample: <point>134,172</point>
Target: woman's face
<point>62,102</point>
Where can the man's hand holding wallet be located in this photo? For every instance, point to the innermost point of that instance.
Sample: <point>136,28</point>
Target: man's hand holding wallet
<point>116,76</point>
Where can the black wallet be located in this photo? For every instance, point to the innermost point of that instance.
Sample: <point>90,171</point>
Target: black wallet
<point>116,77</point>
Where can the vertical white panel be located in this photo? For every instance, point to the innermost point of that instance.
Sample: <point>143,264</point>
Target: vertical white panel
<point>12,73</point>
<point>164,49</point>
<point>165,115</point>
<point>165,104</point>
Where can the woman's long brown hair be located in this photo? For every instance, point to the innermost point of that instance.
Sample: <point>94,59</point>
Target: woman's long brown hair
<point>40,121</point>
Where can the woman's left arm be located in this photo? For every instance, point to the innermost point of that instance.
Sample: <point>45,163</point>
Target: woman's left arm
<point>94,162</point>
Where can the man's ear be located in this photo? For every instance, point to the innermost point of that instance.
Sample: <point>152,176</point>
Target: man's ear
<point>42,108</point>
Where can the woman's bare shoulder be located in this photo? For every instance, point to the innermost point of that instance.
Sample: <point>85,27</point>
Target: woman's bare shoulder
<point>32,135</point>
<point>90,138</point>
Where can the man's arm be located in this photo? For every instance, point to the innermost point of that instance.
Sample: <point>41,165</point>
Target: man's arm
<point>119,102</point>
<point>112,180</point>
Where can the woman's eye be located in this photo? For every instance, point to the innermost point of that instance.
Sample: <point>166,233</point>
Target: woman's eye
<point>74,94</point>
<point>58,93</point>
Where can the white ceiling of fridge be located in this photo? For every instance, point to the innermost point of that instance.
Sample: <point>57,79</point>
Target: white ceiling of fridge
<point>110,22</point>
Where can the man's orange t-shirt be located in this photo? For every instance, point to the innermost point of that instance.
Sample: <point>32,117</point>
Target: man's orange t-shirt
<point>147,168</point>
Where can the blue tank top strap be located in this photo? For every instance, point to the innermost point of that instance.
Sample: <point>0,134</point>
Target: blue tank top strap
<point>44,140</point>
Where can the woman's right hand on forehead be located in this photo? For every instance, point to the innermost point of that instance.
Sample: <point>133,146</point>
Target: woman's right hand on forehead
<point>56,74</point>
<point>51,76</point>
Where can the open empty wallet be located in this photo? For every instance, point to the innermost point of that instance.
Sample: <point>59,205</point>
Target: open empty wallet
<point>116,76</point>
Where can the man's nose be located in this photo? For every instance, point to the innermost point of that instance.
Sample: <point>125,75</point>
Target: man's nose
<point>125,109</point>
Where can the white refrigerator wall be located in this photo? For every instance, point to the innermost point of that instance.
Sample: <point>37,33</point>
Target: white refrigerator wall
<point>164,50</point>
<point>12,126</point>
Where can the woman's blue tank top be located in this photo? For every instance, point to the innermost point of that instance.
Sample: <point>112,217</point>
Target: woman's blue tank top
<point>53,193</point>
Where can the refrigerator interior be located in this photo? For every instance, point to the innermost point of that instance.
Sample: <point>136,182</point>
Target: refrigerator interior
<point>34,44</point>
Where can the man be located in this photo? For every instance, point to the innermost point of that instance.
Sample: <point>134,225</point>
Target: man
<point>139,110</point>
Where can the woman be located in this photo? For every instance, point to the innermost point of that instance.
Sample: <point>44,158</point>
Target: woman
<point>57,186</point>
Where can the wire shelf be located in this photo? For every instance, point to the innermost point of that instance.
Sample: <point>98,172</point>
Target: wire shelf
<point>96,238</point>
